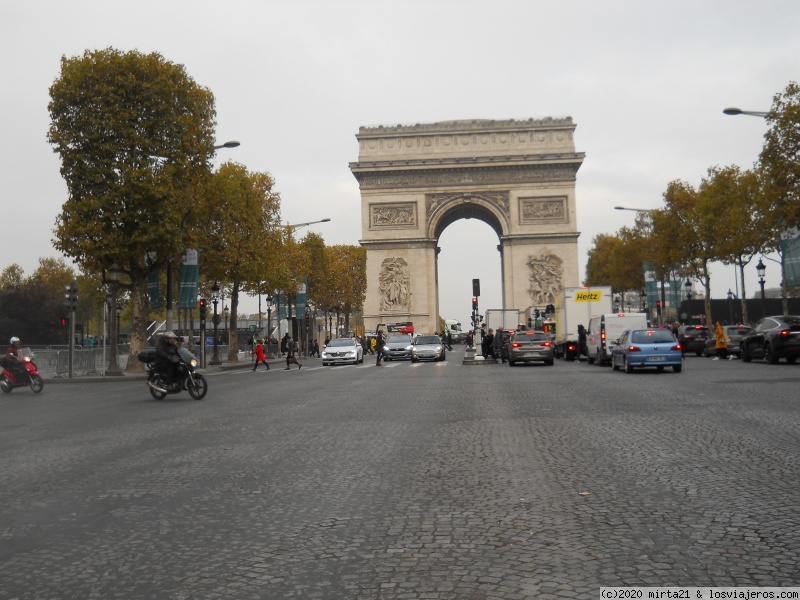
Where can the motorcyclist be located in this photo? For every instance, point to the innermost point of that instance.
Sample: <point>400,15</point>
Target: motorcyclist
<point>12,360</point>
<point>167,357</point>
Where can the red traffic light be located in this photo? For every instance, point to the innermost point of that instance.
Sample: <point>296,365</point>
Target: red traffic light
<point>63,321</point>
<point>202,303</point>
<point>307,317</point>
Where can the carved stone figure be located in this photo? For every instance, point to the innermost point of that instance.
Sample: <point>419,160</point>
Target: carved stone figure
<point>545,278</point>
<point>543,210</point>
<point>394,285</point>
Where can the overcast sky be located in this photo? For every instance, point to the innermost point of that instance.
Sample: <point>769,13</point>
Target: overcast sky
<point>645,82</point>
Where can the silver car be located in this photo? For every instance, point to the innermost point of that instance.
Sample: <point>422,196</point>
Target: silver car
<point>427,347</point>
<point>398,347</point>
<point>530,346</point>
<point>343,351</point>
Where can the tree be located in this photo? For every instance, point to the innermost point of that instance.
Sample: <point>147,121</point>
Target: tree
<point>738,193</point>
<point>616,260</point>
<point>241,213</point>
<point>779,164</point>
<point>135,135</point>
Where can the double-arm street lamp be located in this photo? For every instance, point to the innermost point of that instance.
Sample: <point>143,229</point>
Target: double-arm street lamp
<point>231,144</point>
<point>290,229</point>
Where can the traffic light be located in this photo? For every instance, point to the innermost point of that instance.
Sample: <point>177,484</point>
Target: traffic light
<point>474,302</point>
<point>658,306</point>
<point>63,321</point>
<point>71,297</point>
<point>202,310</point>
<point>476,287</point>
<point>307,317</point>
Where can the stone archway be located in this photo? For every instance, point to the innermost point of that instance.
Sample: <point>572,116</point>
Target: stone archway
<point>517,176</point>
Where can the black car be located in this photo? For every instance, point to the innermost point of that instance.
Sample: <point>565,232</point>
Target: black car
<point>693,338</point>
<point>772,339</point>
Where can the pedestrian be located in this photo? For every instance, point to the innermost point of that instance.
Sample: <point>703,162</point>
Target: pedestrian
<point>380,344</point>
<point>315,349</point>
<point>497,345</point>
<point>372,344</point>
<point>259,352</point>
<point>486,344</point>
<point>676,329</point>
<point>469,339</point>
<point>449,340</point>
<point>722,342</point>
<point>291,348</point>
<point>284,341</point>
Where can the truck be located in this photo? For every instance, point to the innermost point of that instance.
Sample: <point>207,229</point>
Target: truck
<point>502,318</point>
<point>574,308</point>
<point>453,327</point>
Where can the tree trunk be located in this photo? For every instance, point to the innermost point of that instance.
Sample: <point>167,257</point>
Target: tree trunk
<point>140,309</point>
<point>233,338</point>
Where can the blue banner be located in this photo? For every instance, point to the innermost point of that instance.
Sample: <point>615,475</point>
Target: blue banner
<point>187,282</point>
<point>152,290</point>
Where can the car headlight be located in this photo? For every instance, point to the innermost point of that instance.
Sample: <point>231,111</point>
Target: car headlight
<point>438,349</point>
<point>193,362</point>
<point>409,348</point>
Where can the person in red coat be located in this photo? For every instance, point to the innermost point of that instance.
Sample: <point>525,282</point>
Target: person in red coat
<point>259,352</point>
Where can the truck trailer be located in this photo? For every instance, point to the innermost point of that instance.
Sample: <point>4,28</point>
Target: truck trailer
<point>575,306</point>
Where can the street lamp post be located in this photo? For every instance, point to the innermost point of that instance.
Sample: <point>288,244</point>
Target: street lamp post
<point>688,286</point>
<point>269,323</point>
<point>739,111</point>
<point>642,300</point>
<point>215,360</point>
<point>225,313</point>
<point>170,285</point>
<point>761,269</point>
<point>113,365</point>
<point>730,306</point>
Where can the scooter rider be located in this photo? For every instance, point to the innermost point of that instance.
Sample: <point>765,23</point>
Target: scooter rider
<point>12,359</point>
<point>167,357</point>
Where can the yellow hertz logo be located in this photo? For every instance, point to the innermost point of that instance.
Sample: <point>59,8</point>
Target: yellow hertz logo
<point>589,296</point>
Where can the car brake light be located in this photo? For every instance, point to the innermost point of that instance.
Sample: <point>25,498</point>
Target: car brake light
<point>785,333</point>
<point>515,344</point>
<point>676,347</point>
<point>548,344</point>
<point>634,349</point>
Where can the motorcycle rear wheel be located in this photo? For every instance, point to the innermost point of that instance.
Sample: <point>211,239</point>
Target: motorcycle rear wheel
<point>199,389</point>
<point>155,393</point>
<point>6,386</point>
<point>37,383</point>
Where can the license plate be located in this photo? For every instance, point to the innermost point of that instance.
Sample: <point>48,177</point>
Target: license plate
<point>656,358</point>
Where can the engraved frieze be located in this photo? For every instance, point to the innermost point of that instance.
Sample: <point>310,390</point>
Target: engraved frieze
<point>394,285</point>
<point>393,216</point>
<point>417,178</point>
<point>546,271</point>
<point>536,210</point>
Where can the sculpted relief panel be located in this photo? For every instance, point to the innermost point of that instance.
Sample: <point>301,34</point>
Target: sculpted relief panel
<point>393,216</point>
<point>539,210</point>
<point>545,278</point>
<point>394,285</point>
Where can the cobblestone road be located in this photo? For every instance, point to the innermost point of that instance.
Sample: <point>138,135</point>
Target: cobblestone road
<point>431,481</point>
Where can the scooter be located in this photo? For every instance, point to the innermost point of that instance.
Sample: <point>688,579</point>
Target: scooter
<point>185,376</point>
<point>10,380</point>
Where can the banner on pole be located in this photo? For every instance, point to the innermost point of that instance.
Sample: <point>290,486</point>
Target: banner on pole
<point>301,299</point>
<point>790,248</point>
<point>152,290</point>
<point>189,275</point>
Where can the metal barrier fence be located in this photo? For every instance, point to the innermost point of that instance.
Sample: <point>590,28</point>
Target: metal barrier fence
<point>54,361</point>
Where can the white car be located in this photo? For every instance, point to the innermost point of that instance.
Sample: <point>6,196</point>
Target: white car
<point>342,351</point>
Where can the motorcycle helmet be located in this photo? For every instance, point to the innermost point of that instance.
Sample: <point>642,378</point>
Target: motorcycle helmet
<point>14,340</point>
<point>170,335</point>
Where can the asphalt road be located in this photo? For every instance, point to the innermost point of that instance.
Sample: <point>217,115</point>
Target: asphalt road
<point>429,481</point>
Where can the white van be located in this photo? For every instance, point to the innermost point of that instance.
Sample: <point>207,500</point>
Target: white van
<point>604,330</point>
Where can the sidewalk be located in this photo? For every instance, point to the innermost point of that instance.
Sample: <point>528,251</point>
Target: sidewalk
<point>245,362</point>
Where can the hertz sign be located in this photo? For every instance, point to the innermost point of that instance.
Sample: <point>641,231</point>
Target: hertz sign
<point>588,296</point>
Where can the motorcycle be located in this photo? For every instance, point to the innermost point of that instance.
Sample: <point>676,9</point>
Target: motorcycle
<point>10,380</point>
<point>185,376</point>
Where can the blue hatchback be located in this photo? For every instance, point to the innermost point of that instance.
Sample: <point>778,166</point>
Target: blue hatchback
<point>639,348</point>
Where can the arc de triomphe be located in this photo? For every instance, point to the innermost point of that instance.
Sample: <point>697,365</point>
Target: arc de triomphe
<point>517,176</point>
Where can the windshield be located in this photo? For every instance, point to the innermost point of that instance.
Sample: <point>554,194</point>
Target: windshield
<point>341,342</point>
<point>184,353</point>
<point>428,339</point>
<point>399,338</point>
<point>530,336</point>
